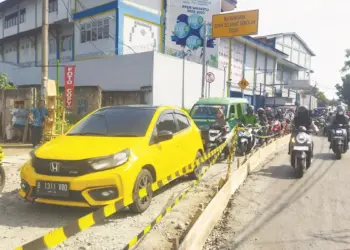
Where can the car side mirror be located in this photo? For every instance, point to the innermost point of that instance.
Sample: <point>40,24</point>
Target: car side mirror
<point>164,135</point>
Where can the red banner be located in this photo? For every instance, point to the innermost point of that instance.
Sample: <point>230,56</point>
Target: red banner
<point>69,74</point>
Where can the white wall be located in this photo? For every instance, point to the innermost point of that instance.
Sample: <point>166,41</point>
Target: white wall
<point>123,73</point>
<point>10,52</point>
<point>87,4</point>
<point>140,36</point>
<point>249,67</point>
<point>167,81</point>
<point>27,50</point>
<point>100,46</point>
<point>154,6</point>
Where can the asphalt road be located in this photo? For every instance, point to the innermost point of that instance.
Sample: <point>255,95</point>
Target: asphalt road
<point>273,210</point>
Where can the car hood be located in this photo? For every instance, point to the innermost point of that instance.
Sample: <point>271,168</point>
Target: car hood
<point>84,147</point>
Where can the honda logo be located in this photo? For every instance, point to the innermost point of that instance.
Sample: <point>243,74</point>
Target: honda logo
<point>55,167</point>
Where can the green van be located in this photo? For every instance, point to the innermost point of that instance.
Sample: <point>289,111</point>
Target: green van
<point>204,111</point>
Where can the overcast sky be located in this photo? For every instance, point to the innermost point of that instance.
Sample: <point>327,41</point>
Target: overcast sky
<point>323,25</point>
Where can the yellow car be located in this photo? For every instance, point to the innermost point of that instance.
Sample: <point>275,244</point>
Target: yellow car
<point>111,154</point>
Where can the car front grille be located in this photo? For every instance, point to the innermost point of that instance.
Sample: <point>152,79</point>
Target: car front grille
<point>62,168</point>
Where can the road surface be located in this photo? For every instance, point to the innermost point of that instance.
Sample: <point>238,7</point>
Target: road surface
<point>275,211</point>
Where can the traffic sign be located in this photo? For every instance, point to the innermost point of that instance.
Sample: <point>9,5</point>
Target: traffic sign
<point>243,84</point>
<point>232,24</point>
<point>210,77</point>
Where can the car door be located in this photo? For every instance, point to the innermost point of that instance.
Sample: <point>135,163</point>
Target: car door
<point>166,152</point>
<point>185,139</point>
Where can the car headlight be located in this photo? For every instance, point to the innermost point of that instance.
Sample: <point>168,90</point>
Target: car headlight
<point>110,161</point>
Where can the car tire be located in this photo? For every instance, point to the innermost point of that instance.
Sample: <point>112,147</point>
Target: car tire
<point>197,172</point>
<point>2,178</point>
<point>143,180</point>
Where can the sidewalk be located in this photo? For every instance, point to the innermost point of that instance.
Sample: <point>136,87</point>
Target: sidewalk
<point>7,145</point>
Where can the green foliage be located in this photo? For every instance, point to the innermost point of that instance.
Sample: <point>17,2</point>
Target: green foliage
<point>4,82</point>
<point>343,90</point>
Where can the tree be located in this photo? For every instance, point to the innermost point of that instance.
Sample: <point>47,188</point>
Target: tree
<point>347,61</point>
<point>4,82</point>
<point>343,91</point>
<point>320,95</point>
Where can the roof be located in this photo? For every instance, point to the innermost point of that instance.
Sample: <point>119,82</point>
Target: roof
<point>261,46</point>
<point>289,34</point>
<point>9,3</point>
<point>221,100</point>
<point>292,65</point>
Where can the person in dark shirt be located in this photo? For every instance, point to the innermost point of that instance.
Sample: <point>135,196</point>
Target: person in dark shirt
<point>279,115</point>
<point>340,119</point>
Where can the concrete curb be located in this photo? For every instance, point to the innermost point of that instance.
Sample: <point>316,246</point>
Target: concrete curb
<point>197,236</point>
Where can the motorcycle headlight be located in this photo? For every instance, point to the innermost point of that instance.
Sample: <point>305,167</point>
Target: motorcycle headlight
<point>339,132</point>
<point>110,161</point>
<point>301,138</point>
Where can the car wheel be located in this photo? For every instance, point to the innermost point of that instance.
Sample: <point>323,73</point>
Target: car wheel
<point>143,180</point>
<point>197,172</point>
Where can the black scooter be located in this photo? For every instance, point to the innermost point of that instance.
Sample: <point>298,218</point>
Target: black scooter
<point>339,142</point>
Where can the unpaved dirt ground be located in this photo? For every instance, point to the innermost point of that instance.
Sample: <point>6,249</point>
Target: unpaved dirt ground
<point>22,221</point>
<point>274,211</point>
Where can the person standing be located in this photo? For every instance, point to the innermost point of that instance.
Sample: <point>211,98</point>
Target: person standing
<point>37,119</point>
<point>21,118</point>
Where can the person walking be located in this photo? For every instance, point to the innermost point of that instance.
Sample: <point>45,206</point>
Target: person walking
<point>19,124</point>
<point>37,119</point>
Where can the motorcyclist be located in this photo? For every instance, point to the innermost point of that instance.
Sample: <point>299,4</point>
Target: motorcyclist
<point>269,114</point>
<point>302,119</point>
<point>279,115</point>
<point>220,120</point>
<point>340,119</point>
<point>262,119</point>
<point>250,118</point>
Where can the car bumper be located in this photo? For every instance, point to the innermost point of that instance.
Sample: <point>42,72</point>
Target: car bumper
<point>84,191</point>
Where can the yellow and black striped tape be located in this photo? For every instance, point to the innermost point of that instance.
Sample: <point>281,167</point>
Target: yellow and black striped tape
<point>148,228</point>
<point>59,235</point>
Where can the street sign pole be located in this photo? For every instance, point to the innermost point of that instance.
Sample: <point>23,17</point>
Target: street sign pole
<point>228,89</point>
<point>204,58</point>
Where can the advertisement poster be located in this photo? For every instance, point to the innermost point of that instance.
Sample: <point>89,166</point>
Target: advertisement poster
<point>185,30</point>
<point>237,59</point>
<point>69,73</point>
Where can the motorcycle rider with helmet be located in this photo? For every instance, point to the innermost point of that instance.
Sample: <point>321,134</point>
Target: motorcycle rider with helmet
<point>250,117</point>
<point>269,114</point>
<point>262,119</point>
<point>303,119</point>
<point>343,119</point>
<point>279,115</point>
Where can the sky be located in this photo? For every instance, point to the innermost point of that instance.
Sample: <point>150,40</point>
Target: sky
<point>323,25</point>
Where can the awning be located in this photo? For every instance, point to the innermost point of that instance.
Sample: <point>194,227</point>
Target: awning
<point>291,65</point>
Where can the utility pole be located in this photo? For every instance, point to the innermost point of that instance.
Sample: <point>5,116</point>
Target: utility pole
<point>44,49</point>
<point>183,77</point>
<point>204,58</point>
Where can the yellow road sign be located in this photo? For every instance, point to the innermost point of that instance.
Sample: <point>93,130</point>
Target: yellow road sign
<point>243,84</point>
<point>242,23</point>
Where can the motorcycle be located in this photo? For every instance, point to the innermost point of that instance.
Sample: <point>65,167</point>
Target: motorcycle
<point>216,136</point>
<point>339,141</point>
<point>321,124</point>
<point>276,127</point>
<point>246,140</point>
<point>2,171</point>
<point>301,151</point>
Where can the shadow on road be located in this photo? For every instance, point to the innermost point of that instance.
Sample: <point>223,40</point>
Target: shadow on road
<point>340,236</point>
<point>278,172</point>
<point>325,156</point>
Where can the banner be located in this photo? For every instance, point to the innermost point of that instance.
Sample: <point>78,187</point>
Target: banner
<point>184,36</point>
<point>69,74</point>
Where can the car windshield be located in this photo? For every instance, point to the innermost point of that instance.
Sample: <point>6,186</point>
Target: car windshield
<point>115,122</point>
<point>207,111</point>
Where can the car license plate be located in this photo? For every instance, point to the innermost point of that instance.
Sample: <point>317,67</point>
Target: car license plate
<point>49,188</point>
<point>301,148</point>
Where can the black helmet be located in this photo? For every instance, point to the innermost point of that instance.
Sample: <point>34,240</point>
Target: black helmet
<point>340,110</point>
<point>279,111</point>
<point>250,109</point>
<point>302,109</point>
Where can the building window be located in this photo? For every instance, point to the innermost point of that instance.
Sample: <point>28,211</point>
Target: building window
<point>82,106</point>
<point>52,46</point>
<point>22,16</point>
<point>53,6</point>
<point>66,43</point>
<point>11,20</point>
<point>95,30</point>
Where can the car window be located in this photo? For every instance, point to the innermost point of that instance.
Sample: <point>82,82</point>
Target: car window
<point>182,121</point>
<point>207,111</point>
<point>123,122</point>
<point>166,122</point>
<point>232,110</point>
<point>239,110</point>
